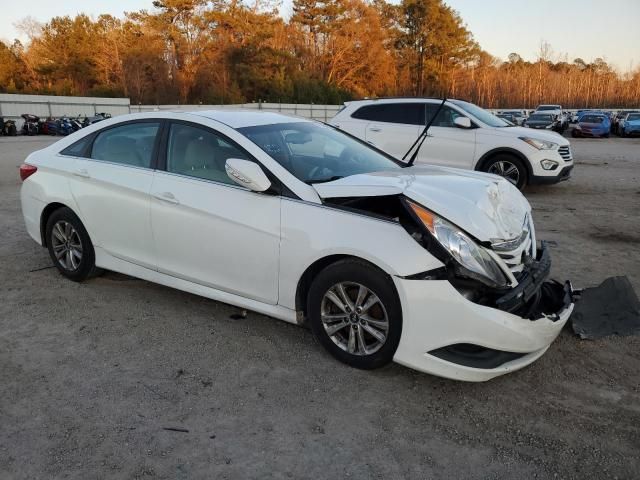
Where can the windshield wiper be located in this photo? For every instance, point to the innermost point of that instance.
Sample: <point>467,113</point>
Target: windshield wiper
<point>324,180</point>
<point>421,138</point>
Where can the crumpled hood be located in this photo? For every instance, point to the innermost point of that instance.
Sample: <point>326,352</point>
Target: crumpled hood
<point>484,205</point>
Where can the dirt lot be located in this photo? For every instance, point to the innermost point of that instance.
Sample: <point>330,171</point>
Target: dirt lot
<point>91,374</point>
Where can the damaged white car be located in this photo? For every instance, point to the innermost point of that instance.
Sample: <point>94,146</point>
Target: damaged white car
<point>435,268</point>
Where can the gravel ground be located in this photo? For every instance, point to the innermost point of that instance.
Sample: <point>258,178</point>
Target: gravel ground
<point>93,375</point>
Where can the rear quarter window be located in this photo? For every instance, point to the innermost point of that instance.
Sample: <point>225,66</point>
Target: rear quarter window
<point>404,113</point>
<point>79,148</point>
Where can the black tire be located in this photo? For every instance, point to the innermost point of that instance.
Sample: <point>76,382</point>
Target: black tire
<point>490,166</point>
<point>357,273</point>
<point>86,266</point>
<point>574,134</point>
<point>621,133</point>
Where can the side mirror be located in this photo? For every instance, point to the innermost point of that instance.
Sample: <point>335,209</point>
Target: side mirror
<point>462,122</point>
<point>248,174</point>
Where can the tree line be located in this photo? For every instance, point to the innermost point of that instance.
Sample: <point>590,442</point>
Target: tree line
<point>328,51</point>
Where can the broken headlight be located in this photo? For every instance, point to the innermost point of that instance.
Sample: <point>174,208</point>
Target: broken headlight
<point>475,261</point>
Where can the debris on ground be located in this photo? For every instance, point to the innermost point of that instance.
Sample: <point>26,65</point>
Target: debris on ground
<point>239,315</point>
<point>611,308</point>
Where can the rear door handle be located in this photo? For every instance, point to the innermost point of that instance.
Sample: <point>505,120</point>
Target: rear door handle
<point>166,197</point>
<point>82,172</point>
<point>375,129</point>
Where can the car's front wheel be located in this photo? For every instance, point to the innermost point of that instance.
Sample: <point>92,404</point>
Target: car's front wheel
<point>509,167</point>
<point>69,245</point>
<point>355,313</point>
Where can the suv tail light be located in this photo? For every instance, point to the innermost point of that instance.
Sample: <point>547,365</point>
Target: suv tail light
<point>26,171</point>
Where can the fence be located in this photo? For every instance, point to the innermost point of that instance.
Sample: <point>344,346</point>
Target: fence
<point>316,112</point>
<point>12,106</point>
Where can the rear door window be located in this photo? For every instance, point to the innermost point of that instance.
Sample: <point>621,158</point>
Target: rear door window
<point>130,144</point>
<point>79,148</point>
<point>406,113</point>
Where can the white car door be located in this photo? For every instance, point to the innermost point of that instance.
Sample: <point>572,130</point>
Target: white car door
<point>111,189</point>
<point>392,127</point>
<point>448,145</point>
<point>207,229</point>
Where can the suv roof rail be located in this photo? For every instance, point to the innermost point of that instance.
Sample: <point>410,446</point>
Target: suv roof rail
<point>403,97</point>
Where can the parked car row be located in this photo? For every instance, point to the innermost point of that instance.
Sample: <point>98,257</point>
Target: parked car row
<point>600,123</point>
<point>626,124</point>
<point>34,125</point>
<point>586,122</point>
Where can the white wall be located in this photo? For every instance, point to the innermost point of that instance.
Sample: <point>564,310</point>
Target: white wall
<point>317,112</point>
<point>12,106</point>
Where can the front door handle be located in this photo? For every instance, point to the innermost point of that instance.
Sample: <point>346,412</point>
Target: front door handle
<point>375,129</point>
<point>166,197</point>
<point>82,172</point>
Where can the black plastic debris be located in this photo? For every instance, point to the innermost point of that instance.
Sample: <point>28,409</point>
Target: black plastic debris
<point>611,308</point>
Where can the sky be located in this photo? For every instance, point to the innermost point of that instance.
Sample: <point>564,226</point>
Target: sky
<point>576,28</point>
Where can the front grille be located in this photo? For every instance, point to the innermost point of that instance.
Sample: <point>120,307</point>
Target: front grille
<point>511,252</point>
<point>565,153</point>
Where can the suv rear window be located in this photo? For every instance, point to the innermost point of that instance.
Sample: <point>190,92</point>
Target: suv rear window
<point>407,113</point>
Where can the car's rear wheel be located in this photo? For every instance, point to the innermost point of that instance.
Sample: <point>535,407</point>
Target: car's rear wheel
<point>355,313</point>
<point>69,245</point>
<point>509,167</point>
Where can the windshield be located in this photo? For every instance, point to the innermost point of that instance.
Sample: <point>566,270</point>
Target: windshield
<point>548,107</point>
<point>591,119</point>
<point>633,116</point>
<point>540,118</point>
<point>317,153</point>
<point>481,114</point>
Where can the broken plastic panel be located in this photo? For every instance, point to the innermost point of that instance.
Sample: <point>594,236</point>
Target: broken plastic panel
<point>611,308</point>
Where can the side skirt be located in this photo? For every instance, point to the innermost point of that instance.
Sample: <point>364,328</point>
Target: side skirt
<point>109,262</point>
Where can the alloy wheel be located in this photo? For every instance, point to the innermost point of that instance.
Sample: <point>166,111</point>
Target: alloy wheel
<point>66,244</point>
<point>506,169</point>
<point>354,318</point>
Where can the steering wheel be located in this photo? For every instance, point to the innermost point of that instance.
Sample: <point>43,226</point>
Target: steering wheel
<point>349,155</point>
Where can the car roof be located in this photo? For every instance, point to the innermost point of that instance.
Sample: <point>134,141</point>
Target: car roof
<point>396,99</point>
<point>239,118</point>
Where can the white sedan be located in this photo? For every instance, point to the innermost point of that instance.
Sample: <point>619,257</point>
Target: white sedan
<point>435,268</point>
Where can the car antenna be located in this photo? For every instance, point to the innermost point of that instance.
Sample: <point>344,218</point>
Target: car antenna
<point>421,138</point>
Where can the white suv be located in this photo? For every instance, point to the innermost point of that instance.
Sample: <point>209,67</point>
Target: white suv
<point>462,135</point>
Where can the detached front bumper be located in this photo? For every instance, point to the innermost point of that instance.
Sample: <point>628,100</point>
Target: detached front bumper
<point>447,335</point>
